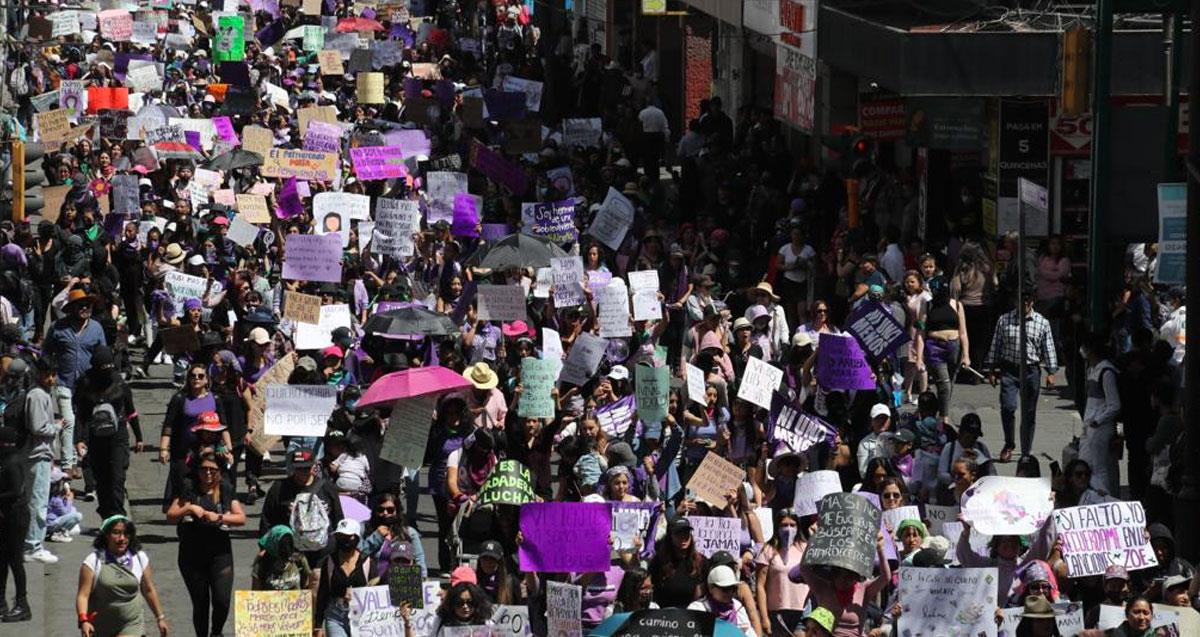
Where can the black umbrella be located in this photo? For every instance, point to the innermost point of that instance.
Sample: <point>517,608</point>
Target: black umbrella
<point>410,320</point>
<point>517,251</point>
<point>233,159</point>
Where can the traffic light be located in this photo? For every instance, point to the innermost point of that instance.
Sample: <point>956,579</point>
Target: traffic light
<point>27,180</point>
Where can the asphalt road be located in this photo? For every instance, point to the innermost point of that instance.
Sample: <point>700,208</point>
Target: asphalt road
<point>52,588</point>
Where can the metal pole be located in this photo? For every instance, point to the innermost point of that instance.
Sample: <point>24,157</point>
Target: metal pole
<point>1101,129</point>
<point>1020,310</point>
<point>1173,52</point>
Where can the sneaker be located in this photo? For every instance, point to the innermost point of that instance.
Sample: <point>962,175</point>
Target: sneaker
<point>61,537</point>
<point>88,496</point>
<point>41,555</point>
<point>76,530</point>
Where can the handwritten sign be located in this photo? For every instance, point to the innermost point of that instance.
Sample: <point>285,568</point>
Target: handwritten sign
<point>998,505</point>
<point>313,257</point>
<point>404,585</point>
<point>613,310</point>
<point>306,165</point>
<point>811,487</point>
<point>323,137</point>
<point>616,417</point>
<point>501,303</point>
<point>759,382</point>
<point>370,88</point>
<point>509,483</point>
<point>408,431</point>
<point>877,331</point>
<point>547,527</point>
<point>568,277</point>
<point>302,308</point>
<point>309,336</point>
<point>714,477</point>
<point>583,359</point>
<point>257,139</point>
<point>652,385</point>
<point>937,601</point>
<point>554,220</point>
<point>633,521</point>
<point>613,220</point>
<point>252,208</point>
<point>242,232</point>
<point>378,162</point>
<point>845,535</point>
<point>299,410</point>
<point>182,287</point>
<point>272,613</point>
<point>330,62</point>
<point>510,621</point>
<point>537,380</point>
<point>116,25</point>
<point>714,534</point>
<point>442,186</point>
<point>373,613</point>
<point>1067,615</point>
<point>788,423</point>
<point>585,133</point>
<point>1100,535</point>
<point>564,608</point>
<point>53,126</point>
<point>841,364</point>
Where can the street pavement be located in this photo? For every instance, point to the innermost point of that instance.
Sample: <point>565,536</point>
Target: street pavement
<point>53,587</point>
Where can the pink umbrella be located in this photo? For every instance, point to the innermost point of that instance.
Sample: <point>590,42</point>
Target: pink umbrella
<point>408,383</point>
<point>354,509</point>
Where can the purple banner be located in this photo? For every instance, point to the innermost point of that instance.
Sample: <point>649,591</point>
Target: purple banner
<point>788,423</point>
<point>289,204</point>
<point>565,537</point>
<point>841,364</point>
<point>554,220</point>
<point>495,231</point>
<point>495,167</point>
<point>466,215</point>
<point>647,520</point>
<point>313,257</point>
<point>877,331</point>
<point>378,162</point>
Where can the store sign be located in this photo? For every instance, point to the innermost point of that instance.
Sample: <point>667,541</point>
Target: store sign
<point>1070,135</point>
<point>1024,153</point>
<point>882,119</point>
<point>795,87</point>
<point>797,25</point>
<point>945,123</point>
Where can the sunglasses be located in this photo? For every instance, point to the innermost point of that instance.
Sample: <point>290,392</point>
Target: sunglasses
<point>197,376</point>
<point>386,509</point>
<point>464,601</point>
<point>890,496</point>
<point>820,310</point>
<point>959,475</point>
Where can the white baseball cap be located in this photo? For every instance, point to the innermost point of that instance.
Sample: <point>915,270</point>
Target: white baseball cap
<point>721,577</point>
<point>619,372</point>
<point>880,409</point>
<point>348,527</point>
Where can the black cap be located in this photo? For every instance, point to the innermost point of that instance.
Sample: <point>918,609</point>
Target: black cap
<point>971,423</point>
<point>492,549</point>
<point>681,524</point>
<point>102,357</point>
<point>302,459</point>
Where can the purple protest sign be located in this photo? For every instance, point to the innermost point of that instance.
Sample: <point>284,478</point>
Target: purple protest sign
<point>495,167</point>
<point>313,257</point>
<point>841,364</point>
<point>378,162</point>
<point>554,220</point>
<point>225,131</point>
<point>414,142</point>
<point>504,106</point>
<point>495,231</point>
<point>466,215</point>
<point>565,537</point>
<point>289,204</point>
<point>635,519</point>
<point>788,423</point>
<point>193,139</point>
<point>412,88</point>
<point>877,331</point>
<point>323,136</point>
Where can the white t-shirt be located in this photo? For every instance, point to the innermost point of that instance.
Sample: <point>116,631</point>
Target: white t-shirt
<point>789,256</point>
<point>353,473</point>
<point>743,618</point>
<point>95,561</point>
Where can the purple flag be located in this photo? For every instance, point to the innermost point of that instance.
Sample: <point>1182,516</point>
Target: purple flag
<point>841,364</point>
<point>289,204</point>
<point>877,331</point>
<point>495,231</point>
<point>789,424</point>
<point>565,537</point>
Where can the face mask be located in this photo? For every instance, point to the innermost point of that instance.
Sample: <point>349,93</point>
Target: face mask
<point>346,543</point>
<point>787,535</point>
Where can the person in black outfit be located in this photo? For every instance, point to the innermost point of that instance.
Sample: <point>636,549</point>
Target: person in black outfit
<point>277,506</point>
<point>14,519</point>
<point>108,454</point>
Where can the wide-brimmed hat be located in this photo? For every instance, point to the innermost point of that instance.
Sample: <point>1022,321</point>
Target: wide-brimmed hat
<point>516,328</point>
<point>481,376</point>
<point>208,421</point>
<point>763,286</point>
<point>1038,607</point>
<point>259,335</point>
<point>175,254</point>
<point>75,297</point>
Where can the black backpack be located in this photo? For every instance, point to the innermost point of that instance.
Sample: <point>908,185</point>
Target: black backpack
<point>18,290</point>
<point>104,420</point>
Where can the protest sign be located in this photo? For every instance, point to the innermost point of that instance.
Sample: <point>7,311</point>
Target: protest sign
<point>998,505</point>
<point>696,386</point>
<point>252,208</point>
<point>510,621</point>
<point>613,219</point>
<point>330,62</point>
<point>537,380</point>
<point>634,522</point>
<point>547,527</point>
<point>182,287</point>
<point>564,609</point>
<point>441,186</point>
<point>845,535</point>
<point>323,137</point>
<point>554,220</point>
<point>373,614</point>
<point>616,417</point>
<point>407,432</point>
<point>54,197</point>
<point>311,257</point>
<point>257,139</point>
<point>562,180</point>
<point>938,601</point>
<point>229,43</point>
<point>759,382</point>
<point>53,126</point>
<point>938,516</point>
<point>372,163</point>
<point>302,308</point>
<point>893,517</point>
<point>652,385</point>
<point>715,477</point>
<point>309,336</point>
<point>501,303</point>
<point>370,88</point>
<point>467,208</point>
<point>1067,615</point>
<point>299,410</point>
<point>713,534</point>
<point>1101,535</point>
<point>116,25</point>
<point>306,165</point>
<point>584,132</point>
<point>613,310</point>
<point>64,23</point>
<point>787,422</point>
<point>646,306</point>
<point>114,124</point>
<point>841,363</point>
<point>272,613</point>
<point>276,374</point>
<point>126,194</point>
<point>669,622</point>
<point>242,232</point>
<point>532,90</point>
<point>582,360</point>
<point>404,584</point>
<point>509,483</point>
<point>877,331</point>
<point>314,38</point>
<point>72,96</point>
<point>811,487</point>
<point>1112,616</point>
<point>496,167</point>
<point>568,281</point>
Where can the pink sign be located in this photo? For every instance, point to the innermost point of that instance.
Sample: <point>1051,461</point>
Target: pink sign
<point>378,162</point>
<point>225,130</point>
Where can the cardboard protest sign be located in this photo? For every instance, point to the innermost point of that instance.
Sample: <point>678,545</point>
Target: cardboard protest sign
<point>613,220</point>
<point>276,374</point>
<point>314,38</point>
<point>938,516</point>
<point>612,309</point>
<point>301,164</point>
<point>408,431</point>
<point>276,613</point>
<point>257,139</point>
<point>583,359</point>
<point>229,43</point>
<point>537,380</point>
<point>841,364</point>
<point>564,608</point>
<point>302,308</point>
<point>652,385</point>
<point>583,133</point>
<point>1101,535</point>
<point>787,422</point>
<point>547,527</point>
<point>378,162</point>
<point>404,584</point>
<point>616,417</point>
<point>53,126</point>
<point>713,534</point>
<point>370,88</point>
<point>845,535</point>
<point>714,477</point>
<point>330,62</point>
<point>999,505</point>
<point>501,303</point>
<point>554,220</point>
<point>530,88</point>
<point>509,483</point>
<point>252,208</point>
<point>632,522</point>
<point>759,382</point>
<point>311,257</point>
<point>372,611</point>
<point>877,331</point>
<point>811,487</point>
<point>54,197</point>
<point>299,410</point>
<point>938,601</point>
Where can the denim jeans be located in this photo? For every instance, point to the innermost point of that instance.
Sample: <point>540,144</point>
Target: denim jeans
<point>39,502</point>
<point>337,619</point>
<point>66,435</point>
<point>64,523</point>
<point>1010,400</point>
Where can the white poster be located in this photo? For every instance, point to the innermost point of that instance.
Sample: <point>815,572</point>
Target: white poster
<point>407,432</point>
<point>568,281</point>
<point>997,505</point>
<point>442,186</point>
<point>714,534</point>
<point>299,410</point>
<point>309,336</point>
<point>812,486</point>
<point>1101,535</point>
<point>564,609</point>
<point>759,382</point>
<point>582,360</point>
<point>613,220</point>
<point>501,302</point>
<point>957,602</point>
<point>182,287</point>
<point>613,310</point>
<point>697,387</point>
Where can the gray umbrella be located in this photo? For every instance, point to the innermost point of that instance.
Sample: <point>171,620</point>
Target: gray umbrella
<point>410,320</point>
<point>233,159</point>
<point>517,251</point>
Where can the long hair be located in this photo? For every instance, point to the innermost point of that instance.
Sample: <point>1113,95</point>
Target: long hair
<point>481,606</point>
<point>629,593</point>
